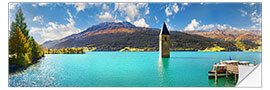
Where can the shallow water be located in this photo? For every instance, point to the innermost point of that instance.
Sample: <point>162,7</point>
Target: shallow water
<point>121,69</point>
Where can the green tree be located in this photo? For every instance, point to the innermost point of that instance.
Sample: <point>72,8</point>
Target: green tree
<point>34,48</point>
<point>19,22</point>
<point>18,46</point>
<point>24,48</point>
<point>42,53</point>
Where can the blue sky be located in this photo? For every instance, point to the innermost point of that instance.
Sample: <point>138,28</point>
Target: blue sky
<point>52,21</point>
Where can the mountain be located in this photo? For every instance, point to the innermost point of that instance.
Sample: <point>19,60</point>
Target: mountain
<point>231,35</point>
<point>111,36</point>
<point>110,25</point>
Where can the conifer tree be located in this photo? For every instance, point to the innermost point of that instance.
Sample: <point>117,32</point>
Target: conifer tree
<point>34,48</point>
<point>18,46</point>
<point>19,22</point>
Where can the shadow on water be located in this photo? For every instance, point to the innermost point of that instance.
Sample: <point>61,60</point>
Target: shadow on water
<point>163,64</point>
<point>15,69</point>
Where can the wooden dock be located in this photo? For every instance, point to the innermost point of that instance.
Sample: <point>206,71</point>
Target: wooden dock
<point>232,69</point>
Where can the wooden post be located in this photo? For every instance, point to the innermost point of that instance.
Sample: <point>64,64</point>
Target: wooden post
<point>216,74</point>
<point>235,77</point>
<point>226,74</point>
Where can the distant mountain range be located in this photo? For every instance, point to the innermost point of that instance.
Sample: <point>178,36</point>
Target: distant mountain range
<point>111,36</point>
<point>231,35</point>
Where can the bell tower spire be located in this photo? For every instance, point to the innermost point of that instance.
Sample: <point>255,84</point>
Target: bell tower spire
<point>164,42</point>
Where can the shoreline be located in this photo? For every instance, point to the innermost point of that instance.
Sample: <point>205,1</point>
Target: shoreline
<point>13,69</point>
<point>174,51</point>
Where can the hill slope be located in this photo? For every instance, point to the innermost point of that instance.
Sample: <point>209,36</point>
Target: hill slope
<point>116,36</point>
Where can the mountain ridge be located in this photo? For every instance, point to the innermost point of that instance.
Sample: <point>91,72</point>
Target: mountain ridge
<point>110,25</point>
<point>230,35</point>
<point>111,36</point>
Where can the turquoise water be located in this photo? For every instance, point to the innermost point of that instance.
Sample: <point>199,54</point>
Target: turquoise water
<point>135,69</point>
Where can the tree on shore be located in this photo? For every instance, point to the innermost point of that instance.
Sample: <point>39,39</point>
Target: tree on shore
<point>23,49</point>
<point>18,46</point>
<point>35,50</point>
<point>19,22</point>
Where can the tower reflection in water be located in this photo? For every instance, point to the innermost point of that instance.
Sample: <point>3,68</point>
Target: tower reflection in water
<point>163,64</point>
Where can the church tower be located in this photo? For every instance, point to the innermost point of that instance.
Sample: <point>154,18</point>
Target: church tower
<point>164,42</point>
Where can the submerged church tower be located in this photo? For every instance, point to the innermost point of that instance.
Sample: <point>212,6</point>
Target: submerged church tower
<point>164,42</point>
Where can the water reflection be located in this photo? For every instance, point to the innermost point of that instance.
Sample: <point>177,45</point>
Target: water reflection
<point>222,82</point>
<point>163,64</point>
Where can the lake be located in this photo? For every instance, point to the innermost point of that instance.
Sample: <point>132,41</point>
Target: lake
<point>127,69</point>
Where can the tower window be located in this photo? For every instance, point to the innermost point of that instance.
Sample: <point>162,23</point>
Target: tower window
<point>165,38</point>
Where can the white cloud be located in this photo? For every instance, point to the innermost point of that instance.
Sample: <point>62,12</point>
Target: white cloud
<point>95,4</point>
<point>205,27</point>
<point>168,20</point>
<point>105,7</point>
<point>256,27</point>
<point>79,6</point>
<point>131,11</point>
<point>175,8</point>
<point>254,14</point>
<point>192,25</point>
<point>183,6</point>
<point>105,16</point>
<point>118,20</point>
<point>128,19</point>
<point>253,27</point>
<point>141,23</point>
<point>251,4</point>
<point>168,11</point>
<point>156,19</point>
<point>34,5</point>
<point>54,31</point>
<point>39,4</point>
<point>38,19</point>
<point>169,27</point>
<point>221,27</point>
<point>12,6</point>
<point>171,8</point>
<point>42,4</point>
<point>69,14</point>
<point>227,26</point>
<point>255,17</point>
<point>116,5</point>
<point>243,12</point>
<point>147,11</point>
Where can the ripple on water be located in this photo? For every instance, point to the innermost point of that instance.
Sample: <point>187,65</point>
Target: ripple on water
<point>124,69</point>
